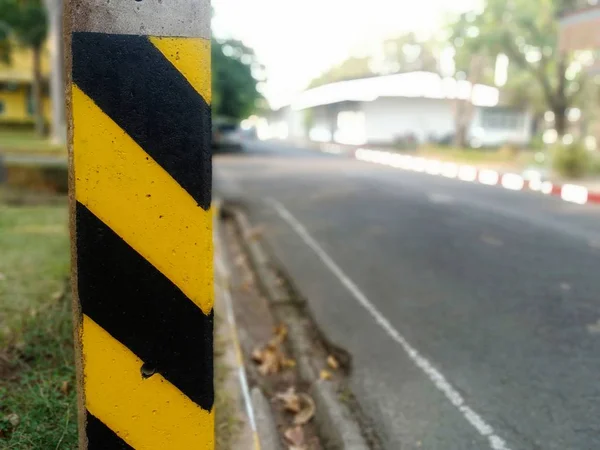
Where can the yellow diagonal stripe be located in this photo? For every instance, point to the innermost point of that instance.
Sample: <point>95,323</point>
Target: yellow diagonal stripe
<point>146,413</point>
<point>191,56</point>
<point>126,189</point>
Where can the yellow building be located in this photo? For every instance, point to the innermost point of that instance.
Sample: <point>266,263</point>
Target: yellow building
<point>16,106</point>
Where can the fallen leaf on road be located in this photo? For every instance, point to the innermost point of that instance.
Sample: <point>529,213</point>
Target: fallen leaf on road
<point>325,375</point>
<point>278,338</point>
<point>257,355</point>
<point>288,363</point>
<point>307,412</point>
<point>240,260</point>
<point>255,233</point>
<point>269,363</point>
<point>295,436</point>
<point>332,362</point>
<point>247,284</point>
<point>290,400</point>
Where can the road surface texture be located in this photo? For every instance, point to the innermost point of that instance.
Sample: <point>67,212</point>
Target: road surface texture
<point>472,313</point>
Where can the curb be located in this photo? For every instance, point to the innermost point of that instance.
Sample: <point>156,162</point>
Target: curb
<point>258,413</point>
<point>573,193</point>
<point>337,427</point>
<point>265,424</point>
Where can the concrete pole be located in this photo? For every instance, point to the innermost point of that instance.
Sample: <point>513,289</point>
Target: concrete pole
<point>138,108</point>
<point>58,129</point>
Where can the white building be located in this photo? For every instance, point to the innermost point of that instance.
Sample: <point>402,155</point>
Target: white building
<point>389,109</point>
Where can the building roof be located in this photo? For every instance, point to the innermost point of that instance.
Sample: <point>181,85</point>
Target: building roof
<point>411,84</point>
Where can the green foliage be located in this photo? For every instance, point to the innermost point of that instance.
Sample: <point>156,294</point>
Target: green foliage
<point>527,32</point>
<point>571,161</point>
<point>349,69</point>
<point>403,53</point>
<point>234,87</point>
<point>25,20</point>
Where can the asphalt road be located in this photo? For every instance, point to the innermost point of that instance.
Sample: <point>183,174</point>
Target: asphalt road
<point>472,313</point>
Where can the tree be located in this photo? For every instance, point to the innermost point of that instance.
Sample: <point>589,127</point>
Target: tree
<point>403,53</point>
<point>351,68</point>
<point>26,21</point>
<point>58,130</point>
<point>234,79</point>
<point>527,32</point>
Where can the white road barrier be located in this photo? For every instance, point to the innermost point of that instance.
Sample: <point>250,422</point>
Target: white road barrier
<point>513,181</point>
<point>569,192</point>
<point>489,177</point>
<point>574,193</point>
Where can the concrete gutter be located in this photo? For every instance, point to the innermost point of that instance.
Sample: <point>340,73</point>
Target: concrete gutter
<point>338,427</point>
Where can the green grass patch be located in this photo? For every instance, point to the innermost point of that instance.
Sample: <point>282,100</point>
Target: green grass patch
<point>37,375</point>
<point>27,141</point>
<point>503,157</point>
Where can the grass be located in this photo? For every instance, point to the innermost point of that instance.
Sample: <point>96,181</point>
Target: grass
<point>37,375</point>
<point>27,141</point>
<point>503,157</point>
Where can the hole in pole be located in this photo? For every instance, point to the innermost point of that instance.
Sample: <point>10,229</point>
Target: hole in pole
<point>147,370</point>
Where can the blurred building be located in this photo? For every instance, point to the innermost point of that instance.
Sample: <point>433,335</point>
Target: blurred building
<point>16,104</point>
<point>404,109</point>
<point>580,28</point>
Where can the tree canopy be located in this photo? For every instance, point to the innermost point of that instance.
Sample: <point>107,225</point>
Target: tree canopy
<point>402,53</point>
<point>234,79</point>
<point>526,31</point>
<point>25,20</point>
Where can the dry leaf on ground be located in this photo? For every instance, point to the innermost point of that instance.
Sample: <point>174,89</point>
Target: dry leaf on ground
<point>255,233</point>
<point>240,260</point>
<point>295,436</point>
<point>332,362</point>
<point>288,363</point>
<point>325,375</point>
<point>307,412</point>
<point>290,400</point>
<point>247,284</point>
<point>269,363</point>
<point>2,276</point>
<point>64,387</point>
<point>13,419</point>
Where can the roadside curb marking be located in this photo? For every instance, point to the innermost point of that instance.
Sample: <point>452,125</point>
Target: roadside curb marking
<point>222,286</point>
<point>568,192</point>
<point>435,376</point>
<point>140,117</point>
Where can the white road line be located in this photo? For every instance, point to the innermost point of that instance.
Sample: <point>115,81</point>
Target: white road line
<point>476,421</point>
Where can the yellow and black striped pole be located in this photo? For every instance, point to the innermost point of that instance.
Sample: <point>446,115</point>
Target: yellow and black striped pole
<point>139,139</point>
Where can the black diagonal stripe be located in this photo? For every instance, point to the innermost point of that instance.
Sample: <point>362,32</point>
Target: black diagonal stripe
<point>140,307</point>
<point>100,437</point>
<point>134,84</point>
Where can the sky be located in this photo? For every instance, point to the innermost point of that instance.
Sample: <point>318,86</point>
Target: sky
<point>298,40</point>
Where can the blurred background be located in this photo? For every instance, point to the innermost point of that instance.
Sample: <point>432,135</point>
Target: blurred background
<point>498,288</point>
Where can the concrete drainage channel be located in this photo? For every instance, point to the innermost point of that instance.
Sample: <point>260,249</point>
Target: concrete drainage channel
<point>338,419</point>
